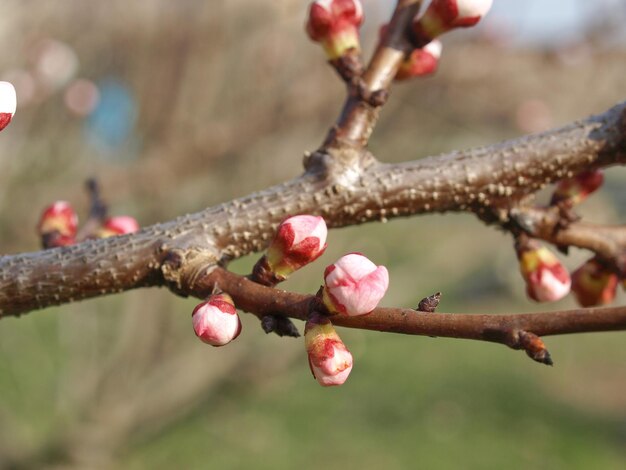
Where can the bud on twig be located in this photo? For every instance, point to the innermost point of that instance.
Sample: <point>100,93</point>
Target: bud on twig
<point>575,190</point>
<point>215,321</point>
<point>329,359</point>
<point>534,347</point>
<point>335,24</point>
<point>58,225</point>
<point>118,225</point>
<point>353,285</point>
<point>8,103</point>
<point>299,240</point>
<point>546,278</point>
<point>593,284</point>
<point>444,15</point>
<point>421,62</point>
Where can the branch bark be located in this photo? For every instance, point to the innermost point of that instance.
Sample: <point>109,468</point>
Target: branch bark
<point>178,253</point>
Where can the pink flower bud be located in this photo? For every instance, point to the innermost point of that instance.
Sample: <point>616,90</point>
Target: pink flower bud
<point>58,225</point>
<point>329,359</point>
<point>575,190</point>
<point>421,62</point>
<point>546,278</point>
<point>119,225</point>
<point>593,284</point>
<point>335,23</point>
<point>444,15</point>
<point>354,285</point>
<point>299,240</point>
<point>8,103</point>
<point>215,321</point>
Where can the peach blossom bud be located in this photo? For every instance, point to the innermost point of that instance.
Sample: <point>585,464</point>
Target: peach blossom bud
<point>118,225</point>
<point>354,285</point>
<point>546,278</point>
<point>299,240</point>
<point>444,15</point>
<point>329,359</point>
<point>215,321</point>
<point>8,103</point>
<point>335,24</point>
<point>58,225</point>
<point>593,284</point>
<point>575,190</point>
<point>421,62</point>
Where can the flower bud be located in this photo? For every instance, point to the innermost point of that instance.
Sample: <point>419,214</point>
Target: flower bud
<point>8,103</point>
<point>444,15</point>
<point>575,190</point>
<point>354,285</point>
<point>215,321</point>
<point>58,225</point>
<point>329,359</point>
<point>119,225</point>
<point>592,284</point>
<point>421,62</point>
<point>546,278</point>
<point>299,240</point>
<point>335,24</point>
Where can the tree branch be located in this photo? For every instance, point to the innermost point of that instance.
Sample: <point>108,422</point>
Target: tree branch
<point>504,329</point>
<point>178,252</point>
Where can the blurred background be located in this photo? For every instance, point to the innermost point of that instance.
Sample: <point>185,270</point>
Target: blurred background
<point>176,106</point>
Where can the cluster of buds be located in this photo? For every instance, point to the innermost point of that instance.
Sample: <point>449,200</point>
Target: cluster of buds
<point>575,190</point>
<point>335,24</point>
<point>593,284</point>
<point>353,285</point>
<point>329,359</point>
<point>421,62</point>
<point>546,278</point>
<point>58,225</point>
<point>8,103</point>
<point>443,15</point>
<point>215,321</point>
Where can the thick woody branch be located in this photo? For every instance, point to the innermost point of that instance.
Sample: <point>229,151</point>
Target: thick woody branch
<point>512,330</point>
<point>177,253</point>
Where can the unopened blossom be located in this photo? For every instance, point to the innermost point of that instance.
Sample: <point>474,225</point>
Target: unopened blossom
<point>215,321</point>
<point>58,225</point>
<point>593,284</point>
<point>421,62</point>
<point>353,285</point>
<point>118,225</point>
<point>335,24</point>
<point>329,359</point>
<point>8,103</point>
<point>299,240</point>
<point>575,190</point>
<point>546,278</point>
<point>444,15</point>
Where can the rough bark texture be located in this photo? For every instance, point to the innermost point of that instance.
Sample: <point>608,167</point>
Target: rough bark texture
<point>346,186</point>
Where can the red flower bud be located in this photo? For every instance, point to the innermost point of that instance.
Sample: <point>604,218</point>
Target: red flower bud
<point>215,321</point>
<point>593,284</point>
<point>58,225</point>
<point>353,285</point>
<point>444,15</point>
<point>546,278</point>
<point>329,359</point>
<point>575,190</point>
<point>119,225</point>
<point>8,103</point>
<point>334,24</point>
<point>299,240</point>
<point>421,62</point>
